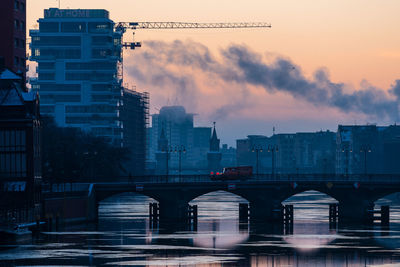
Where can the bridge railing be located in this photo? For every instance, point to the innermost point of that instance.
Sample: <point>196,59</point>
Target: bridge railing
<point>282,177</point>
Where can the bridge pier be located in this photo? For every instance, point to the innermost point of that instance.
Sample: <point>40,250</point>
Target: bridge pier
<point>265,211</point>
<point>355,211</point>
<point>173,210</point>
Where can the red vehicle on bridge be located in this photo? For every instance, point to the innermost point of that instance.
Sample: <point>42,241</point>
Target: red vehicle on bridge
<point>233,173</point>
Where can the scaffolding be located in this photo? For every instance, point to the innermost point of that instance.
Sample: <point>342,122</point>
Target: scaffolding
<point>135,117</point>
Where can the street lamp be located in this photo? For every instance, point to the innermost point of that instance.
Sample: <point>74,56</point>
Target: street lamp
<point>168,150</point>
<point>257,149</point>
<point>365,149</point>
<point>273,149</point>
<point>179,150</point>
<point>347,151</point>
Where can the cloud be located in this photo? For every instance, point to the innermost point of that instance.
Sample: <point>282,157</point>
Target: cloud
<point>187,66</point>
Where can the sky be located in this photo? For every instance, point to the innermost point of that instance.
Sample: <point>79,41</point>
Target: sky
<point>322,63</point>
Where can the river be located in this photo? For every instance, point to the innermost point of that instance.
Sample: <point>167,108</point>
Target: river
<point>124,237</point>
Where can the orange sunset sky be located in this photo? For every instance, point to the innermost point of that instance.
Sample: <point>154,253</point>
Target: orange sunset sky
<point>356,42</point>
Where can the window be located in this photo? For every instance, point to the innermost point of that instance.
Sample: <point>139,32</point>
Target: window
<point>48,26</point>
<point>91,109</point>
<point>73,27</point>
<point>46,75</point>
<point>101,53</point>
<point>16,4</point>
<point>101,87</point>
<point>54,87</point>
<point>36,52</point>
<point>12,153</point>
<point>16,61</point>
<point>16,24</point>
<point>59,98</point>
<point>117,41</point>
<point>46,65</point>
<point>61,53</point>
<point>22,43</point>
<point>97,65</point>
<point>101,40</point>
<point>101,98</point>
<point>16,42</point>
<point>88,76</point>
<point>47,109</point>
<point>22,6</point>
<point>22,25</point>
<point>99,27</point>
<point>57,40</point>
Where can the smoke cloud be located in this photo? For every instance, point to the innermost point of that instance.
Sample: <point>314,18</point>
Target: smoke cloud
<point>177,64</point>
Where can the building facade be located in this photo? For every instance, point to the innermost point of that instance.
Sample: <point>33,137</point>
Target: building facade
<point>20,160</point>
<point>13,35</point>
<point>288,153</point>
<point>78,52</point>
<point>368,149</point>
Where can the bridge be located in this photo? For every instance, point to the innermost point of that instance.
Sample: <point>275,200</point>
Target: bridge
<point>355,193</point>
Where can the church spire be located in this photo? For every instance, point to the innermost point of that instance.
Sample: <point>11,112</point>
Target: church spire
<point>162,141</point>
<point>214,141</point>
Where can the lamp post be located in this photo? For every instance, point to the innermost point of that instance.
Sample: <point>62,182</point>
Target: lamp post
<point>257,149</point>
<point>273,149</point>
<point>365,149</point>
<point>179,150</point>
<point>347,150</point>
<point>167,151</point>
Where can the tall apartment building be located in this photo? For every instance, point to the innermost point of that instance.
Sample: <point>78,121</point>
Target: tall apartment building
<point>13,35</point>
<point>80,70</point>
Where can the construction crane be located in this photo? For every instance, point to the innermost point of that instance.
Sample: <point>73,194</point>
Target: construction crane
<point>123,26</point>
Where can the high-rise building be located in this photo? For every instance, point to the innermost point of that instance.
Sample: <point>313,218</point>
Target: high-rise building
<point>80,70</point>
<point>13,35</point>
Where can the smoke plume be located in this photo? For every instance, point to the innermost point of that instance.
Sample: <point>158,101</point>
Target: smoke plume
<point>177,64</point>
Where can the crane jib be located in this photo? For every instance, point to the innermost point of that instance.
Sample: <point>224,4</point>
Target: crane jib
<point>190,25</point>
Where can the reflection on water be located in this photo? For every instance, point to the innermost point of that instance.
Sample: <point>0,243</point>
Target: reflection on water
<point>122,237</point>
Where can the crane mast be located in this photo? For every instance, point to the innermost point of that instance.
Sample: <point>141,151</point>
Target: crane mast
<point>123,26</point>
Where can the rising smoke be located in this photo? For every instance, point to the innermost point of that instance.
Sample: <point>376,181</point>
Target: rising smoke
<point>240,66</point>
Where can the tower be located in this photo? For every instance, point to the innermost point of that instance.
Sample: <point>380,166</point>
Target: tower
<point>162,154</point>
<point>214,155</point>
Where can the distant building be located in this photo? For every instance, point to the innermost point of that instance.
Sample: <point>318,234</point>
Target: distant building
<point>181,135</point>
<point>80,70</point>
<point>214,155</point>
<point>13,35</point>
<point>20,161</point>
<point>368,149</point>
<point>288,153</point>
<point>228,156</point>
<point>135,116</point>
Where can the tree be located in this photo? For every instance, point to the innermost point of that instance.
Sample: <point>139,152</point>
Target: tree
<point>72,154</point>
